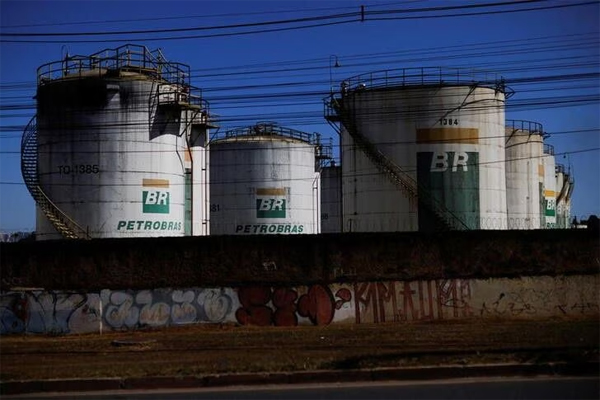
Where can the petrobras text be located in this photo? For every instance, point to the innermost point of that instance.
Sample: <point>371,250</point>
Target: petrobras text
<point>269,228</point>
<point>133,225</point>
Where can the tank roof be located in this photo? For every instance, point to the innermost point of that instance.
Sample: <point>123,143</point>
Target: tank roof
<point>268,131</point>
<point>127,59</point>
<point>530,127</point>
<point>426,76</point>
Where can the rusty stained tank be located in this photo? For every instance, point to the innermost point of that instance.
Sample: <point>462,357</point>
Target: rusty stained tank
<point>264,180</point>
<point>524,174</point>
<point>107,156</point>
<point>432,134</point>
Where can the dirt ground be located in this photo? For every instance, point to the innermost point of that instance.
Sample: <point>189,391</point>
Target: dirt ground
<point>197,350</point>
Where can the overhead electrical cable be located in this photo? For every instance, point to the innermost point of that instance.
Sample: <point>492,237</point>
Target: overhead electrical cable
<point>361,15</point>
<point>266,23</point>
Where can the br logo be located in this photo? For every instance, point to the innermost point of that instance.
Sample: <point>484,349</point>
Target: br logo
<point>441,161</point>
<point>270,203</point>
<point>155,196</point>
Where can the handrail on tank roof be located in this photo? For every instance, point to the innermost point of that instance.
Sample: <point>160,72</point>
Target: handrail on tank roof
<point>270,128</point>
<point>528,126</point>
<point>394,78</point>
<point>548,149</point>
<point>130,57</point>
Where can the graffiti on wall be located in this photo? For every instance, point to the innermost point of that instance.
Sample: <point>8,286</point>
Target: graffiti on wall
<point>529,301</point>
<point>257,305</point>
<point>36,311</point>
<point>164,307</point>
<point>264,306</point>
<point>48,312</point>
<point>377,302</point>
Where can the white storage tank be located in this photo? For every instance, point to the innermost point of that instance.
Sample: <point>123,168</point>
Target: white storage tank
<point>524,174</point>
<point>549,187</point>
<point>264,180</point>
<point>422,149</point>
<point>331,199</point>
<point>107,156</point>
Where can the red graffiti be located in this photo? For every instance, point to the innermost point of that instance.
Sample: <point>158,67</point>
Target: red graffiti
<point>375,296</point>
<point>402,301</point>
<point>318,305</point>
<point>284,301</point>
<point>254,310</point>
<point>344,296</point>
<point>254,296</point>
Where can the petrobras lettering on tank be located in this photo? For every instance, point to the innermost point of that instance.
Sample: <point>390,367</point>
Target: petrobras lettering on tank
<point>155,196</point>
<point>270,203</point>
<point>137,225</point>
<point>259,229</point>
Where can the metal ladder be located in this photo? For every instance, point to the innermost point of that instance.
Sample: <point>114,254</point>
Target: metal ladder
<point>152,103</point>
<point>408,186</point>
<point>68,228</point>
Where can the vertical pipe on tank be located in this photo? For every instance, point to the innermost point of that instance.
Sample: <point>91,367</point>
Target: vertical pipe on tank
<point>317,202</point>
<point>199,181</point>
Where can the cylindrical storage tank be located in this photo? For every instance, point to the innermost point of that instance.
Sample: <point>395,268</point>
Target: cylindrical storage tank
<point>549,187</point>
<point>524,174</point>
<point>331,199</point>
<point>112,144</point>
<point>442,132</point>
<point>264,181</point>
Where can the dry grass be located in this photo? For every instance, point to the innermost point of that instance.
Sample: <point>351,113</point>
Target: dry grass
<point>206,349</point>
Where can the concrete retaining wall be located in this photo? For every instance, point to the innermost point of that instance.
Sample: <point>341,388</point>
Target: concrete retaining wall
<point>63,312</point>
<point>295,260</point>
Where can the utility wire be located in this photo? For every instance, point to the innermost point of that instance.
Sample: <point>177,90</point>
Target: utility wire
<point>266,23</point>
<point>204,16</point>
<point>495,45</point>
<point>361,17</point>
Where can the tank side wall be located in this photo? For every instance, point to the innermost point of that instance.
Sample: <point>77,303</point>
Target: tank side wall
<point>263,187</point>
<point>523,161</point>
<point>112,165</point>
<point>449,141</point>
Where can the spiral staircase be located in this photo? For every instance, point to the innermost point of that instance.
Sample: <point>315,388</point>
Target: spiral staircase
<point>64,225</point>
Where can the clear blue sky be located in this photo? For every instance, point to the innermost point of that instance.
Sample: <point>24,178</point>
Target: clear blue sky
<point>533,44</point>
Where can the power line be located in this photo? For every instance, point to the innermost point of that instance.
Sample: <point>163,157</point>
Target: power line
<point>263,23</point>
<point>208,16</point>
<point>358,15</point>
<point>531,43</point>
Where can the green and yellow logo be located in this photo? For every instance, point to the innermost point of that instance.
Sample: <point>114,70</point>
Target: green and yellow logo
<point>550,200</point>
<point>270,203</point>
<point>155,196</point>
